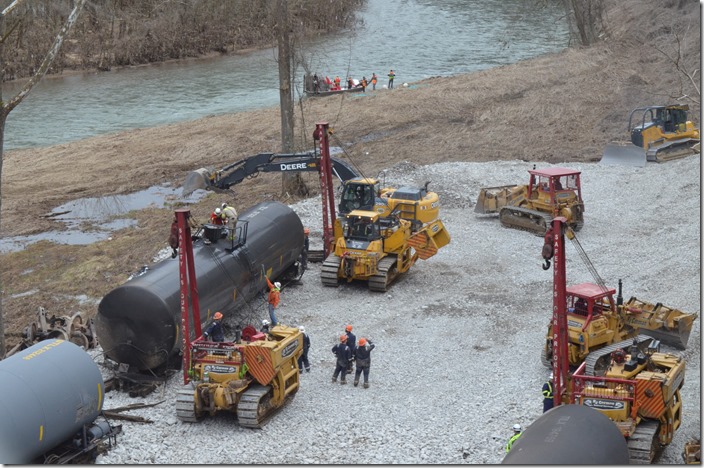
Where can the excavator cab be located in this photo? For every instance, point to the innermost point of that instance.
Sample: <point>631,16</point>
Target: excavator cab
<point>359,194</point>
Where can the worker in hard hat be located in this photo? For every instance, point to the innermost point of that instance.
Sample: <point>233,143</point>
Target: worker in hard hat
<point>344,355</point>
<point>231,217</point>
<point>548,397</point>
<point>217,217</point>
<point>215,330</point>
<point>517,431</point>
<point>363,359</point>
<point>274,298</point>
<point>265,326</point>
<point>303,358</point>
<point>352,343</point>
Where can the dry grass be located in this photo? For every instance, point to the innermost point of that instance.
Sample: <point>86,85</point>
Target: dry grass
<point>558,108</point>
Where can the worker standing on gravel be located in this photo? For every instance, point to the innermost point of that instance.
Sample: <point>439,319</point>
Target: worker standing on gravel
<point>548,400</point>
<point>303,358</point>
<point>231,216</point>
<point>344,355</point>
<point>215,330</point>
<point>363,359</point>
<point>392,75</point>
<point>517,431</point>
<point>274,298</point>
<point>352,343</point>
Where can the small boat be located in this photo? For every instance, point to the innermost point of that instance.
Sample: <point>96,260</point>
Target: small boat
<point>327,89</point>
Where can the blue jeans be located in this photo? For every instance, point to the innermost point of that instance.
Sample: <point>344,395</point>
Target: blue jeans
<point>272,315</point>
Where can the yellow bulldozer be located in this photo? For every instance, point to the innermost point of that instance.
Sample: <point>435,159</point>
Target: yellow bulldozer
<point>252,378</point>
<point>550,192</point>
<point>381,242</point>
<point>658,134</point>
<point>599,325</point>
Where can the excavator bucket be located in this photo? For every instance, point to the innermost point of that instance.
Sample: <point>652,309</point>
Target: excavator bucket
<point>198,179</point>
<point>623,155</point>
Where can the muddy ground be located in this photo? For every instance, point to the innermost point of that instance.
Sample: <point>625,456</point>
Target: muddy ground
<point>556,108</point>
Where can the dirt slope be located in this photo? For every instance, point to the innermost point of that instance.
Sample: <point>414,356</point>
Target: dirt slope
<point>556,108</point>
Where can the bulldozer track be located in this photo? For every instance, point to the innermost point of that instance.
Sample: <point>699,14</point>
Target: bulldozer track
<point>185,407</point>
<point>386,272</point>
<point>643,444</point>
<point>598,361</point>
<point>675,150</point>
<point>328,274</point>
<point>250,410</point>
<point>524,219</point>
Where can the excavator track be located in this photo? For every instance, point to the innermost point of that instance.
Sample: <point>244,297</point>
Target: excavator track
<point>185,406</point>
<point>643,443</point>
<point>253,409</point>
<point>524,219</point>
<point>386,273</point>
<point>328,274</point>
<point>598,361</point>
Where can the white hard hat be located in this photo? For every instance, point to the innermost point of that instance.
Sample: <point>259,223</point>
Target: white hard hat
<point>218,211</point>
<point>517,428</point>
<point>277,285</point>
<point>223,206</point>
<point>551,376</point>
<point>265,322</point>
<point>302,329</point>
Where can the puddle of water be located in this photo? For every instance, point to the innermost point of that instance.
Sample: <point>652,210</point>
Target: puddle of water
<point>90,220</point>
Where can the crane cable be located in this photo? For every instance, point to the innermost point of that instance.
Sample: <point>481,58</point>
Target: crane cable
<point>590,266</point>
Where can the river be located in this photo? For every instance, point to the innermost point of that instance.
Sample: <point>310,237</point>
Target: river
<point>416,38</point>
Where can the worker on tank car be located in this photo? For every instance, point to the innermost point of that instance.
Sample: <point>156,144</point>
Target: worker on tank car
<point>352,343</point>
<point>517,431</point>
<point>231,217</point>
<point>217,217</point>
<point>344,355</point>
<point>363,360</point>
<point>548,400</point>
<point>274,298</point>
<point>215,330</point>
<point>303,358</point>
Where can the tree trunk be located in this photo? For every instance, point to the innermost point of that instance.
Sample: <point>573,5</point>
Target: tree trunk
<point>6,107</point>
<point>291,182</point>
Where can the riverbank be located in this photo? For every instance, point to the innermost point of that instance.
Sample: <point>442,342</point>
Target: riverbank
<point>559,108</point>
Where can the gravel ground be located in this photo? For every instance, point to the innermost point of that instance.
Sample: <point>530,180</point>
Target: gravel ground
<point>458,338</point>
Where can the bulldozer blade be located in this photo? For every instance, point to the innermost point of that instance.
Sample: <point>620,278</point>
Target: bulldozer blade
<point>198,179</point>
<point>675,338</point>
<point>619,155</point>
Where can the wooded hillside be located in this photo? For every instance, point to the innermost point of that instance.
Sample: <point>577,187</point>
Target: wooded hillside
<point>113,33</point>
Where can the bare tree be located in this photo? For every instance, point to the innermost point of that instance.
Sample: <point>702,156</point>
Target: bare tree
<point>585,19</point>
<point>6,107</point>
<point>292,182</point>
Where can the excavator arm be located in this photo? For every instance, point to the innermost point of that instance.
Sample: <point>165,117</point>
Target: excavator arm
<point>223,179</point>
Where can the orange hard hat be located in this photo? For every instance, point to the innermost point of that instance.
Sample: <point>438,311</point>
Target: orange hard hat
<point>348,328</point>
<point>217,316</point>
<point>343,338</point>
<point>362,341</point>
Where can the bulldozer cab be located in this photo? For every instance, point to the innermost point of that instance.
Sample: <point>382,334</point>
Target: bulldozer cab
<point>359,194</point>
<point>655,121</point>
<point>555,185</point>
<point>362,225</point>
<point>589,300</point>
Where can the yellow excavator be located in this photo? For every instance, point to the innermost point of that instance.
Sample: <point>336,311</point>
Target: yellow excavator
<point>658,134</point>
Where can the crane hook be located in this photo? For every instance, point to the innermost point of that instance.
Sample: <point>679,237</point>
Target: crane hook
<point>546,265</point>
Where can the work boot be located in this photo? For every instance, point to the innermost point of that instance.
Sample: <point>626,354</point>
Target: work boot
<point>356,382</point>
<point>343,382</point>
<point>366,385</point>
<point>307,369</point>
<point>334,380</point>
<point>300,371</point>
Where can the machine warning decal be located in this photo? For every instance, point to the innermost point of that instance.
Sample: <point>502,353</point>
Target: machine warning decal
<point>289,349</point>
<point>220,369</point>
<point>603,404</point>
